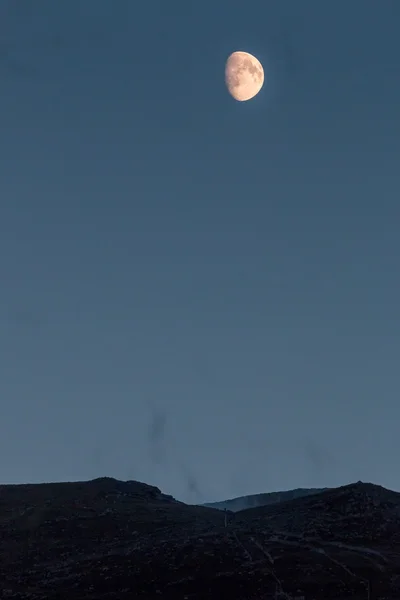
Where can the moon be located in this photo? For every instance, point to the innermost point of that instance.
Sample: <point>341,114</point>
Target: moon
<point>244,76</point>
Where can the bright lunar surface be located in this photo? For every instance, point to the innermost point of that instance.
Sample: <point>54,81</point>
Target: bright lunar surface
<point>244,76</point>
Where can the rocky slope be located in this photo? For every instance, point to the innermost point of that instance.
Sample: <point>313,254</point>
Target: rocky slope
<point>119,540</point>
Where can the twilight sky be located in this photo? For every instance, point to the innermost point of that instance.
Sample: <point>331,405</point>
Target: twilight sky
<point>194,292</point>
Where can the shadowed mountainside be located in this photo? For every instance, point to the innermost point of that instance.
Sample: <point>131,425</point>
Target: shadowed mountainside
<point>118,540</point>
<point>254,500</point>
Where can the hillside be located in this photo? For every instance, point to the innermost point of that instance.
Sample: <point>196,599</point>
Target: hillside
<point>118,540</point>
<point>255,500</point>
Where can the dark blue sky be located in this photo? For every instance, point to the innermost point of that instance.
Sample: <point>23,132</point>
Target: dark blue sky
<point>199,293</point>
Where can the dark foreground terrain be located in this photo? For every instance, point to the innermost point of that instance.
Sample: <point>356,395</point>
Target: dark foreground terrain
<point>113,539</point>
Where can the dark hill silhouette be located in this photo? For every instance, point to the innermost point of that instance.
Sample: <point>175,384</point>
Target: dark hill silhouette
<point>121,540</point>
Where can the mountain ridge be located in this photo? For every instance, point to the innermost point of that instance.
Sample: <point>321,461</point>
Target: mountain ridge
<point>111,539</point>
<point>253,500</point>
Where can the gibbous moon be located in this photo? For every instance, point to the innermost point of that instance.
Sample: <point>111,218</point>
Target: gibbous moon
<point>244,76</point>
